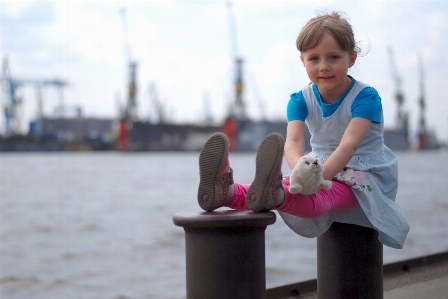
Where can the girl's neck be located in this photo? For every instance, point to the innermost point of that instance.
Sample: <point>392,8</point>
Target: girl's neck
<point>333,98</point>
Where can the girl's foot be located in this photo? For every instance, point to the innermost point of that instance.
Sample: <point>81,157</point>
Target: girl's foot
<point>215,173</point>
<point>264,191</point>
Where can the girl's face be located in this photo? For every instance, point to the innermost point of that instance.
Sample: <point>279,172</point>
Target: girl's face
<point>327,65</point>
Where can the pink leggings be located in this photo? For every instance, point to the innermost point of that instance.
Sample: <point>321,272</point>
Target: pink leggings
<point>339,197</point>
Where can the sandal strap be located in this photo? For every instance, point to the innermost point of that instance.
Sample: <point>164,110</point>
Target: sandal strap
<point>225,181</point>
<point>274,192</point>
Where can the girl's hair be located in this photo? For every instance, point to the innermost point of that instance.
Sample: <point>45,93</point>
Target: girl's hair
<point>331,22</point>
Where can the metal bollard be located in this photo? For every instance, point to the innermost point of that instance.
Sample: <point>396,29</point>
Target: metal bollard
<point>349,263</point>
<point>225,253</point>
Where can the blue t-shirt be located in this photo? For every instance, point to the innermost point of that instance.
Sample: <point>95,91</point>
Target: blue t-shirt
<point>366,105</point>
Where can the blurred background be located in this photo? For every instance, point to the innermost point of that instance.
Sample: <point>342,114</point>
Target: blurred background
<point>201,62</point>
<point>105,105</point>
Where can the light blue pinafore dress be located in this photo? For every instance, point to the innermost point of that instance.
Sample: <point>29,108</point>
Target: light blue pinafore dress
<point>372,173</point>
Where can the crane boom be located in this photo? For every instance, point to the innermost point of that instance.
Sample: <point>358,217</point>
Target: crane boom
<point>399,96</point>
<point>130,110</point>
<point>238,109</point>
<point>11,106</point>
<point>421,100</point>
<point>233,39</point>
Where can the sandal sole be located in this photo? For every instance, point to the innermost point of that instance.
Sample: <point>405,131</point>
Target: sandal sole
<point>269,156</point>
<point>211,161</point>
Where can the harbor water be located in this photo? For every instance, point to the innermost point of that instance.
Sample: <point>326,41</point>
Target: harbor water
<point>99,225</point>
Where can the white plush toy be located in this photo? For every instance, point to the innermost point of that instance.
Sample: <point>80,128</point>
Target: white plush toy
<point>306,177</point>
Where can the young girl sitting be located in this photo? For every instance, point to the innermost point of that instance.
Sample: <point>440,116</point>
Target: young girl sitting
<point>345,120</point>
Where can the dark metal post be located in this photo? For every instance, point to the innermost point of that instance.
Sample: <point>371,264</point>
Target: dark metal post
<point>349,263</point>
<point>225,254</point>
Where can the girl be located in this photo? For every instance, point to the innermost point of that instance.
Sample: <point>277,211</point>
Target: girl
<point>345,120</point>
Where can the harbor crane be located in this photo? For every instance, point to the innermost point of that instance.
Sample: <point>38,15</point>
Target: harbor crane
<point>238,109</point>
<point>426,138</point>
<point>159,107</point>
<point>421,100</point>
<point>12,102</point>
<point>401,117</point>
<point>129,112</point>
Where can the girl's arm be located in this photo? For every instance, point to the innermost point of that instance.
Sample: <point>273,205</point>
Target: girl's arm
<point>295,142</point>
<point>354,134</point>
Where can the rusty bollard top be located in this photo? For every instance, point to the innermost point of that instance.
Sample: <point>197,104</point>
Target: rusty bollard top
<point>224,218</point>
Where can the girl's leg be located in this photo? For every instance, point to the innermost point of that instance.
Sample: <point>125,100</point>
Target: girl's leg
<point>216,186</point>
<point>238,201</point>
<point>266,189</point>
<point>216,175</point>
<point>339,197</point>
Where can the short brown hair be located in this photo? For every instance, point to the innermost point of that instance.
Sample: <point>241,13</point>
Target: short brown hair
<point>331,22</point>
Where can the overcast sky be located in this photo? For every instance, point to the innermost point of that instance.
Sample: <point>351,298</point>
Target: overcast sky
<point>184,48</point>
